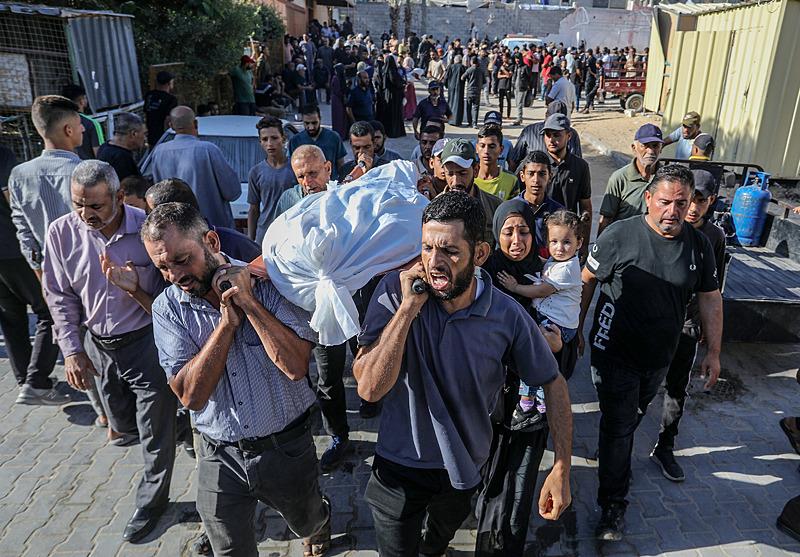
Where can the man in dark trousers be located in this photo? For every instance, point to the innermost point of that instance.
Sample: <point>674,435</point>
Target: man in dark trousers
<point>649,266</point>
<point>429,358</point>
<point>19,288</point>
<point>473,85</point>
<point>680,369</point>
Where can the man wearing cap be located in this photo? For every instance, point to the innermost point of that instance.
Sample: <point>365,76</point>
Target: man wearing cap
<point>157,105</point>
<point>680,368</point>
<point>491,178</point>
<point>702,147</point>
<point>685,135</point>
<point>624,195</point>
<point>244,99</point>
<point>531,139</point>
<point>571,183</point>
<point>649,266</point>
<point>460,168</point>
<point>432,107</point>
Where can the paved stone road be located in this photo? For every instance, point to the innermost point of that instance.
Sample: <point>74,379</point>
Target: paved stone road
<point>64,492</point>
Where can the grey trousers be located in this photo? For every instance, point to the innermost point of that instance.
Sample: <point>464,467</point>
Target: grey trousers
<point>231,482</point>
<point>152,412</point>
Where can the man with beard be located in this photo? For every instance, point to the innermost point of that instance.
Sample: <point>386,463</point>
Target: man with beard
<point>427,139</point>
<point>324,138</point>
<point>649,267</point>
<point>429,358</point>
<point>685,135</point>
<point>96,244</point>
<point>363,146</point>
<point>236,353</point>
<point>434,106</point>
<point>382,154</point>
<point>461,167</point>
<point>624,195</point>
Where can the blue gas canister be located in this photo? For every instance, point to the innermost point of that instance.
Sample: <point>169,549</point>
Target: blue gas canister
<point>749,209</point>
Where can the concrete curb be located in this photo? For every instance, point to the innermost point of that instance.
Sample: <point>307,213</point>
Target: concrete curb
<point>619,159</point>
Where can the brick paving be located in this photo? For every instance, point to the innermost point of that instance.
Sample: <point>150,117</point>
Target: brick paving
<point>65,492</point>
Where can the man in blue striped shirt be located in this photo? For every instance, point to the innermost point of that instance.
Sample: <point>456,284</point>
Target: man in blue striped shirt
<point>236,354</point>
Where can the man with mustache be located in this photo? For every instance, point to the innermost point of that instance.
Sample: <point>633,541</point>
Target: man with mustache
<point>236,354</point>
<point>649,267</point>
<point>438,359</point>
<point>624,195</point>
<point>97,275</point>
<point>461,167</point>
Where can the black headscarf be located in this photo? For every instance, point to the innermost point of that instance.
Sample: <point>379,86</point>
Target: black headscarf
<point>498,261</point>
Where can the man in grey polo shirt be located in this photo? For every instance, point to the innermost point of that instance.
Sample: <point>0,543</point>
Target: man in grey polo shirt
<point>438,360</point>
<point>624,195</point>
<point>236,354</point>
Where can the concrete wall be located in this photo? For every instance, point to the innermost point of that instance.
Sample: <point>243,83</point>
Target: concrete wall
<point>455,22</point>
<point>605,27</point>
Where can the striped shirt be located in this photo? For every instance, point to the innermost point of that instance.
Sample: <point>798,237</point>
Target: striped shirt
<point>39,194</point>
<point>253,397</point>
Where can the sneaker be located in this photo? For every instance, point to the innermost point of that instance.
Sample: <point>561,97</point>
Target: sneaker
<point>669,466</point>
<point>41,397</point>
<point>523,419</point>
<point>612,523</point>
<point>369,410</point>
<point>335,453</point>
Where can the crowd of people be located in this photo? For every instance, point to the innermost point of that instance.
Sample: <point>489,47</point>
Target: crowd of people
<point>143,284</point>
<point>364,78</point>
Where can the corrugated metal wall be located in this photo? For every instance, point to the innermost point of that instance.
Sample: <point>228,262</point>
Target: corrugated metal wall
<point>739,69</point>
<point>103,53</point>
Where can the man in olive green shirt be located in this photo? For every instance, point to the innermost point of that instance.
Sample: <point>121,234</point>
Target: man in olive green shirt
<point>244,98</point>
<point>624,197</point>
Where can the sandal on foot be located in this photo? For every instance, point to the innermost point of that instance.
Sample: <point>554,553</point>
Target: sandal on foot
<point>318,544</point>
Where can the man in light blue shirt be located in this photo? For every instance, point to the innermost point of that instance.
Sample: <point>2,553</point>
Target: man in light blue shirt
<point>327,140</point>
<point>201,165</point>
<point>236,353</point>
<point>685,135</point>
<point>558,91</point>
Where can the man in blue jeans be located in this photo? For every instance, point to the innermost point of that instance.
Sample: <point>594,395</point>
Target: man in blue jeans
<point>648,267</point>
<point>428,356</point>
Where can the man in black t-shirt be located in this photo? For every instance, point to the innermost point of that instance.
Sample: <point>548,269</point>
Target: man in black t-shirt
<point>157,105</point>
<point>680,368</point>
<point>129,136</point>
<point>649,266</point>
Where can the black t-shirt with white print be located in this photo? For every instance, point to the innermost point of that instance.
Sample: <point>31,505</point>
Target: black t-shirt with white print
<point>646,282</point>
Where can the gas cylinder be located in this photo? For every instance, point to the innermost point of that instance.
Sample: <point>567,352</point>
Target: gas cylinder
<point>749,209</point>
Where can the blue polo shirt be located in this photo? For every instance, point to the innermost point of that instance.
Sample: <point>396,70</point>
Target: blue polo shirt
<point>425,111</point>
<point>437,414</point>
<point>327,140</point>
<point>361,103</point>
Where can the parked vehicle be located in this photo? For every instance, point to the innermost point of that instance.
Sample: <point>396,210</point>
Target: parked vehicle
<point>627,84</point>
